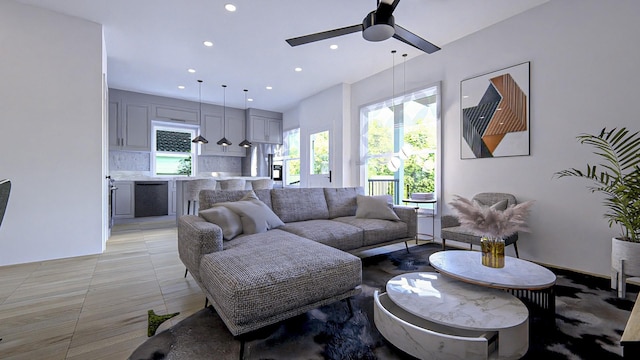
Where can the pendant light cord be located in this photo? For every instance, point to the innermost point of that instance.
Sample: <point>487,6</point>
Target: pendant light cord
<point>224,111</point>
<point>200,98</point>
<point>404,75</point>
<point>393,79</point>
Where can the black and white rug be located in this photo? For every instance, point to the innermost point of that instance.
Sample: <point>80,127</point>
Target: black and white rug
<point>589,322</point>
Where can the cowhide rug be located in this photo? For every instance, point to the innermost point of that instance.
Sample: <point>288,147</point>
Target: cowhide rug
<point>589,323</point>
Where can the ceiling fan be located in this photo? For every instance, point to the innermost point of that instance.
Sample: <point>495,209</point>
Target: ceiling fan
<point>378,25</point>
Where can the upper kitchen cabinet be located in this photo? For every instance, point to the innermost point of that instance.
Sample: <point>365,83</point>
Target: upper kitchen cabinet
<point>129,122</point>
<point>129,126</point>
<point>264,126</point>
<point>175,113</point>
<point>136,127</point>
<point>213,129</point>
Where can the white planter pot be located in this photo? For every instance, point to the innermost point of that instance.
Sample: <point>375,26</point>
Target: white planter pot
<point>625,262</point>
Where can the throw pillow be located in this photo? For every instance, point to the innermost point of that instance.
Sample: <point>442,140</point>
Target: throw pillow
<point>256,217</point>
<point>500,205</point>
<point>375,207</point>
<point>227,220</point>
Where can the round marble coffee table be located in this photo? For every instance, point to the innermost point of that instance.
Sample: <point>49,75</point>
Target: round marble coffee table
<point>524,279</point>
<point>459,320</point>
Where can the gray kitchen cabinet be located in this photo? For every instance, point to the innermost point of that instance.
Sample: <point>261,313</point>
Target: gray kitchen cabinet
<point>177,114</point>
<point>172,197</point>
<point>264,126</point>
<point>123,200</point>
<point>129,126</point>
<point>212,130</point>
<point>136,128</point>
<point>114,124</point>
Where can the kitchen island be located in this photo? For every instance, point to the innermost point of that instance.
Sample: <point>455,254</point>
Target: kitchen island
<point>124,197</point>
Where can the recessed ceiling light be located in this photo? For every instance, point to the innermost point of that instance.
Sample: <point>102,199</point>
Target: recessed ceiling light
<point>191,70</point>
<point>181,87</point>
<point>269,88</point>
<point>333,47</point>
<point>208,43</point>
<point>298,69</point>
<point>249,99</point>
<point>230,7</point>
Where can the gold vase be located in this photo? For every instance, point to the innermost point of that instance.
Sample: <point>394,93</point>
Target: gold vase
<point>492,251</point>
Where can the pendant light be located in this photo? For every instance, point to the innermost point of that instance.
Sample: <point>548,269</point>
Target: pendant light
<point>224,141</point>
<point>199,139</point>
<point>245,143</point>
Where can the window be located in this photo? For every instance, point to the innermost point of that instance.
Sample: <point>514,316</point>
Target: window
<point>291,158</point>
<point>320,153</point>
<point>173,151</point>
<point>400,142</point>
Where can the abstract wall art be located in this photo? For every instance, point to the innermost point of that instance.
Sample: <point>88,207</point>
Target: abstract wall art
<point>495,114</point>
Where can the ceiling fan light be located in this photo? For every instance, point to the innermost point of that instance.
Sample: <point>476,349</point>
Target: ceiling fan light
<point>377,28</point>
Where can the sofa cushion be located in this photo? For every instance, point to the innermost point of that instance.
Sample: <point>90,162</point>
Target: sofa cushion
<point>299,204</point>
<point>375,207</point>
<point>342,201</point>
<point>256,217</point>
<point>377,231</point>
<point>228,220</point>
<point>288,272</point>
<point>333,233</point>
<point>210,197</point>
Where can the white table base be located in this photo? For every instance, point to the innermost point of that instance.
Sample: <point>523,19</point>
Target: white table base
<point>432,317</point>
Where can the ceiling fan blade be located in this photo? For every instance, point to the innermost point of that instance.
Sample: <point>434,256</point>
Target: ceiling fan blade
<point>414,40</point>
<point>301,40</point>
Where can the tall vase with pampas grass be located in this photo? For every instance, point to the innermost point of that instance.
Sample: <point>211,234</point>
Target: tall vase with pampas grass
<point>492,224</point>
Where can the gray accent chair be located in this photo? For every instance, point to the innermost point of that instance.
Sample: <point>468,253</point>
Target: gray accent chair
<point>451,229</point>
<point>5,189</point>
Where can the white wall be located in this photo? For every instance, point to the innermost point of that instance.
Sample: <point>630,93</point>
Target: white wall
<point>323,111</point>
<point>51,139</point>
<point>584,75</point>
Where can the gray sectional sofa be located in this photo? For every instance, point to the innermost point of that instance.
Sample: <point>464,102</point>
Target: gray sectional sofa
<point>291,263</point>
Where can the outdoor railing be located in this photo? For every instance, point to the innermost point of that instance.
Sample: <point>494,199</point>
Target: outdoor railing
<point>385,187</point>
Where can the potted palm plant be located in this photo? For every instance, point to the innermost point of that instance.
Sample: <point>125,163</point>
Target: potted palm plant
<point>617,177</point>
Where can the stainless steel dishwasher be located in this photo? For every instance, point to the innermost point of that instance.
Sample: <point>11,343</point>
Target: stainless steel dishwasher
<point>151,198</point>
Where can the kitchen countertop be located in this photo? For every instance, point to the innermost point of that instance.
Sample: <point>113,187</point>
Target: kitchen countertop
<point>143,176</point>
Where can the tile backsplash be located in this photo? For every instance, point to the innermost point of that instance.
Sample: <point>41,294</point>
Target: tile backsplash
<point>141,161</point>
<point>129,161</point>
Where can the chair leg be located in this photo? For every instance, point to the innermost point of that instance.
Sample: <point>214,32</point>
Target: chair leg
<point>242,348</point>
<point>443,240</point>
<point>470,246</point>
<point>206,301</point>
<point>188,206</point>
<point>348,300</point>
<point>406,246</point>
<point>186,271</point>
<point>515,247</point>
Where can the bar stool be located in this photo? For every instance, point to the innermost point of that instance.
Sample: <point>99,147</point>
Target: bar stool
<point>192,191</point>
<point>232,184</point>
<point>262,184</point>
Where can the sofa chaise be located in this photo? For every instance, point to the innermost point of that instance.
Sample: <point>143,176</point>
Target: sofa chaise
<point>293,258</point>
